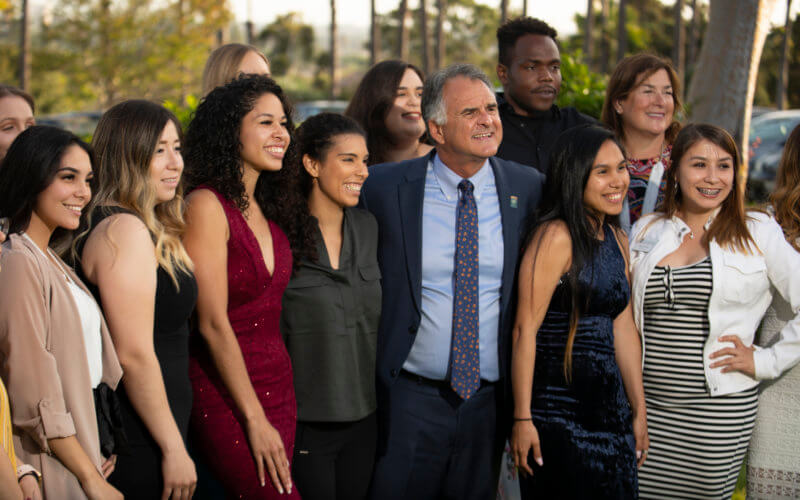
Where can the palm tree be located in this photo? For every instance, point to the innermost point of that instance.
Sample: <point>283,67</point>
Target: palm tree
<point>334,54</point>
<point>783,71</point>
<point>622,30</point>
<point>403,31</point>
<point>588,36</point>
<point>426,46</point>
<point>24,48</point>
<point>440,43</point>
<point>503,11</point>
<point>678,45</point>
<point>375,35</point>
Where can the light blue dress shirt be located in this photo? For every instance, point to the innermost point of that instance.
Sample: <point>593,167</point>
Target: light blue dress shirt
<point>430,354</point>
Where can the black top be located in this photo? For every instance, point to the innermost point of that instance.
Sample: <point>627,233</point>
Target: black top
<point>529,139</point>
<point>330,324</point>
<point>173,307</point>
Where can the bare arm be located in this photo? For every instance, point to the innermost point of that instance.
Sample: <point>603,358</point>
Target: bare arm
<point>119,257</point>
<point>71,454</point>
<point>546,259</point>
<point>205,240</point>
<point>9,487</point>
<point>628,353</point>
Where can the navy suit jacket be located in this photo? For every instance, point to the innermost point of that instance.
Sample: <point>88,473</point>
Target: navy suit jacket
<point>394,193</point>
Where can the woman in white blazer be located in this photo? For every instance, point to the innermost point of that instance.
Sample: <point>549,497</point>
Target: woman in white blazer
<point>702,270</point>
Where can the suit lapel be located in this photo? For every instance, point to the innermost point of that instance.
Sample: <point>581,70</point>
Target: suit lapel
<point>411,194</point>
<point>510,215</point>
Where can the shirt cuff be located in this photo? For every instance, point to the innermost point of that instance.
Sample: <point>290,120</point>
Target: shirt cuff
<point>26,469</point>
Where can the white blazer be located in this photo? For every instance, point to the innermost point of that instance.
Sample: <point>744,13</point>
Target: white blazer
<point>740,292</point>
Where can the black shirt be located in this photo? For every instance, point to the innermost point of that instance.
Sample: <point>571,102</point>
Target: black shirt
<point>529,139</point>
<point>330,324</point>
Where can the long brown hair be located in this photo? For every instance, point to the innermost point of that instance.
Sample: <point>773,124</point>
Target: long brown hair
<point>628,75</point>
<point>729,228</point>
<point>786,197</point>
<point>372,101</point>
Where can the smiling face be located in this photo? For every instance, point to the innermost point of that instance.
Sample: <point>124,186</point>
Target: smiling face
<point>608,181</point>
<point>341,172</point>
<point>404,119</point>
<point>648,110</point>
<point>264,135</point>
<point>532,81</point>
<point>705,177</point>
<point>253,63</point>
<point>472,132</point>
<point>60,204</point>
<point>167,164</point>
<point>15,116</point>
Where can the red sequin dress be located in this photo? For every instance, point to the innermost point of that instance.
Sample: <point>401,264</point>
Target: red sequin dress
<point>254,310</point>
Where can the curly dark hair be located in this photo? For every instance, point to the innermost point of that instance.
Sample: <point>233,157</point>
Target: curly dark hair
<point>513,29</point>
<point>212,152</point>
<point>314,138</point>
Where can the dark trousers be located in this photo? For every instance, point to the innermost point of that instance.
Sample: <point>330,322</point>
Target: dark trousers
<point>334,460</point>
<point>438,446</point>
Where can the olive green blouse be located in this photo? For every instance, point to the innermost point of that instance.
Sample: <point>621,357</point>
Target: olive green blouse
<point>330,325</point>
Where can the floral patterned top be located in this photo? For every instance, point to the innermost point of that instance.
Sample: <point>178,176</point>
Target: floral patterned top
<point>640,175</point>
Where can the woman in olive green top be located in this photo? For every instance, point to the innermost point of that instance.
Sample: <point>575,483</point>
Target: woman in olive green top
<point>331,310</point>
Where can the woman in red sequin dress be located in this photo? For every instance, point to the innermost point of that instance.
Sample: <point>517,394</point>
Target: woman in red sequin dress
<point>244,414</point>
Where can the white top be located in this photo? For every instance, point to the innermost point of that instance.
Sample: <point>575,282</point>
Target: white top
<point>740,295</point>
<point>91,321</point>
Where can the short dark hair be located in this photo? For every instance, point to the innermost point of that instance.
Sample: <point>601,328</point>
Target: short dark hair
<point>513,29</point>
<point>29,168</point>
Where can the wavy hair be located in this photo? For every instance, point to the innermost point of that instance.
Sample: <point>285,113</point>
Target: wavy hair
<point>372,102</point>
<point>572,159</point>
<point>729,227</point>
<point>315,137</point>
<point>222,65</point>
<point>627,76</point>
<point>785,199</point>
<point>212,153</point>
<point>124,142</point>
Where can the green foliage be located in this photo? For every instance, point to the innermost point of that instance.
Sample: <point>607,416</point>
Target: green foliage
<point>769,67</point>
<point>183,110</point>
<point>581,87</point>
<point>288,40</point>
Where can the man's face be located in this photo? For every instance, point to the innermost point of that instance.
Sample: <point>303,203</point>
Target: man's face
<point>473,131</point>
<point>532,81</point>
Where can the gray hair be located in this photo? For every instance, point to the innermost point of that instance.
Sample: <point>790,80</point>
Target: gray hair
<point>432,96</point>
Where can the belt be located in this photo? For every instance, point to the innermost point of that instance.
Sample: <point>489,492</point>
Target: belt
<point>437,384</point>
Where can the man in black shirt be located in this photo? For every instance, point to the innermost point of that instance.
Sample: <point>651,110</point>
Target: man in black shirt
<point>530,71</point>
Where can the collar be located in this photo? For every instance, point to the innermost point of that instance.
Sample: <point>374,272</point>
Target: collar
<point>554,113</point>
<point>683,228</point>
<point>448,180</point>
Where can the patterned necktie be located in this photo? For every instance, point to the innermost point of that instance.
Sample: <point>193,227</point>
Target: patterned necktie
<point>465,374</point>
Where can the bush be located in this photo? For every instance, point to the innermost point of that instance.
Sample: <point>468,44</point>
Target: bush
<point>580,87</point>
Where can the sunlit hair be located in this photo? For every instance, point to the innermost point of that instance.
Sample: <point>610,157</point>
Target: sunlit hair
<point>627,76</point>
<point>372,102</point>
<point>9,91</point>
<point>124,142</point>
<point>573,156</point>
<point>729,227</point>
<point>785,198</point>
<point>222,65</point>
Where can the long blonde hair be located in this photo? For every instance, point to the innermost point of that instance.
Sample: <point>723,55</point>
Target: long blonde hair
<point>222,65</point>
<point>124,142</point>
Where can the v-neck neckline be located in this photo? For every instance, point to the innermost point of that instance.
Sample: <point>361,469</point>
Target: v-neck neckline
<point>257,246</point>
<point>323,257</point>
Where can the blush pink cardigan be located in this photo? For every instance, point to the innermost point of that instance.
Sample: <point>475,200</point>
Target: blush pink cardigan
<point>43,362</point>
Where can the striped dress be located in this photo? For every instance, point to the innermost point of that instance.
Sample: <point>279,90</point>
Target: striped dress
<point>697,443</point>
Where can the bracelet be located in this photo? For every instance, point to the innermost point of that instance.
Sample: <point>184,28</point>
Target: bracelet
<point>523,419</point>
<point>29,473</point>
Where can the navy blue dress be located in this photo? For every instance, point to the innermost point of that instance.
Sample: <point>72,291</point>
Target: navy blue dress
<point>585,426</point>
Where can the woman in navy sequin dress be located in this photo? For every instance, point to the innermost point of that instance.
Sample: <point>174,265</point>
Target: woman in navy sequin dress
<point>579,415</point>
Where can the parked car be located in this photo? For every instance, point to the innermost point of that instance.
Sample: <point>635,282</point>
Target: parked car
<point>307,109</point>
<point>80,123</point>
<point>768,134</point>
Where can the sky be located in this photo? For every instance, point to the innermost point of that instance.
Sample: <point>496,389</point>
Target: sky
<point>559,14</point>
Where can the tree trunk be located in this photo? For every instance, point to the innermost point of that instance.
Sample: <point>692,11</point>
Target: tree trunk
<point>678,47</point>
<point>605,50</point>
<point>402,45</point>
<point>622,30</point>
<point>524,8</point>
<point>694,26</point>
<point>426,43</point>
<point>334,69</point>
<point>24,48</point>
<point>441,14</point>
<point>375,35</point>
<point>249,30</point>
<point>588,34</point>
<point>731,52</point>
<point>503,11</point>
<point>783,70</point>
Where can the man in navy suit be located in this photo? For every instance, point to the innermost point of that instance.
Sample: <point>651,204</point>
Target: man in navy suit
<point>443,366</point>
